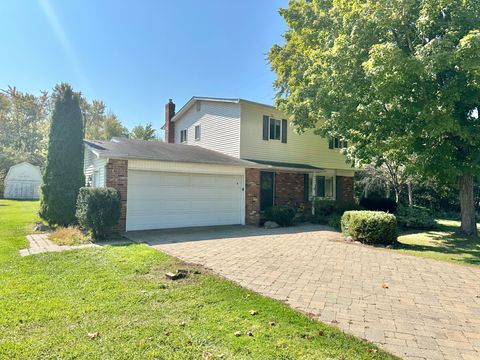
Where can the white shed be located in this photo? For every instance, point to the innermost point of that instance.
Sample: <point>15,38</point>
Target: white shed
<point>23,182</point>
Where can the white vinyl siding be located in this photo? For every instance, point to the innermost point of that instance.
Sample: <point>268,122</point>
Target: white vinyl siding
<point>94,169</point>
<point>219,123</point>
<point>306,148</point>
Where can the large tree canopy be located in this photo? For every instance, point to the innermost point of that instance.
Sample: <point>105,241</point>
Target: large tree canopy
<point>389,75</point>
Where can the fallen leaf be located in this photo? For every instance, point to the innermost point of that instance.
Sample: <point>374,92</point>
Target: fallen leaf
<point>93,335</point>
<point>253,312</point>
<point>321,333</point>
<point>372,350</point>
<point>385,286</point>
<point>238,333</point>
<point>306,337</point>
<point>182,323</point>
<point>249,333</point>
<point>334,322</point>
<point>271,323</point>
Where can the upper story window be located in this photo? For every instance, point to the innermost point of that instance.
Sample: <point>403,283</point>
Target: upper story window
<point>337,143</point>
<point>274,129</point>
<point>197,132</point>
<point>183,135</point>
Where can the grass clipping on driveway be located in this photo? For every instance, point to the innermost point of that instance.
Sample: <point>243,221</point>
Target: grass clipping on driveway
<point>114,303</point>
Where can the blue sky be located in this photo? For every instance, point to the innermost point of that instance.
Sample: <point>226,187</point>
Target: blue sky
<point>134,55</point>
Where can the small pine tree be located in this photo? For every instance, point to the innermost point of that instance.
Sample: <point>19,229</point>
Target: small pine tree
<point>63,175</point>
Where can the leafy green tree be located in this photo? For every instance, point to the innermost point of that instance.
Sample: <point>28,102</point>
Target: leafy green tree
<point>100,124</point>
<point>63,174</point>
<point>23,127</point>
<point>141,132</point>
<point>399,75</point>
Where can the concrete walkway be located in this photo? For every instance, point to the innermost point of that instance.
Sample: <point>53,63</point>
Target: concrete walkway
<point>413,307</point>
<point>39,243</point>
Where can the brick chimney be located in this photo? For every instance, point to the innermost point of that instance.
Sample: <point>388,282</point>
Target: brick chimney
<point>169,125</point>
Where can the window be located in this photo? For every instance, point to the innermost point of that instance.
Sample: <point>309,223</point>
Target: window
<point>197,132</point>
<point>183,135</point>
<point>275,129</point>
<point>337,143</point>
<point>325,187</point>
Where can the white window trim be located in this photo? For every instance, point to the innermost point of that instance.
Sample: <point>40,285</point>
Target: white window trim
<point>199,132</point>
<point>183,139</point>
<point>269,125</point>
<point>313,187</point>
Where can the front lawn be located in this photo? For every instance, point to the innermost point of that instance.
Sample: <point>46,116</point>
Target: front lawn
<point>441,243</point>
<point>113,302</point>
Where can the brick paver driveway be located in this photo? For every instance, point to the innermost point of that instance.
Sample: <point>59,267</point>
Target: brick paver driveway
<point>412,307</point>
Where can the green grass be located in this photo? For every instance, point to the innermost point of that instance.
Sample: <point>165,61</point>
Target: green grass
<point>49,303</point>
<point>441,243</point>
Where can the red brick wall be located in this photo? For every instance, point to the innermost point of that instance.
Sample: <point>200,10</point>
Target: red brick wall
<point>252,196</point>
<point>289,189</point>
<point>117,177</point>
<point>169,125</point>
<point>345,191</point>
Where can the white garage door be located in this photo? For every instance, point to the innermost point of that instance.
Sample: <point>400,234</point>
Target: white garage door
<point>160,200</point>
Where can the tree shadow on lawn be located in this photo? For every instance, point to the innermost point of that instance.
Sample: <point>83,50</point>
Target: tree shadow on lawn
<point>444,239</point>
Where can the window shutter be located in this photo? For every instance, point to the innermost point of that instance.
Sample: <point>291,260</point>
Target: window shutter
<point>265,127</point>
<point>321,186</point>
<point>284,131</point>
<point>330,143</point>
<point>306,187</point>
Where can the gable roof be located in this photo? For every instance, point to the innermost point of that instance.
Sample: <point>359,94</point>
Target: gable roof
<point>120,148</point>
<point>194,99</point>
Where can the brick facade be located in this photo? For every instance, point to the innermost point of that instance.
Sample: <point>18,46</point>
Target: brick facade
<point>169,125</point>
<point>289,189</point>
<point>117,177</point>
<point>252,196</point>
<point>345,190</point>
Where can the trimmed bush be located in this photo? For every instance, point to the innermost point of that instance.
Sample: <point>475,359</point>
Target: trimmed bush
<point>379,204</point>
<point>98,210</point>
<point>281,214</point>
<point>370,227</point>
<point>415,217</point>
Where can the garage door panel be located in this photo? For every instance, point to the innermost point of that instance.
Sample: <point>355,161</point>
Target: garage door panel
<point>159,200</point>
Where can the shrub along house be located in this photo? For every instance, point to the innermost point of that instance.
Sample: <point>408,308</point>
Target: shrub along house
<point>224,162</point>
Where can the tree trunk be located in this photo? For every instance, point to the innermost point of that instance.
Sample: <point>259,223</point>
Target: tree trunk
<point>410,194</point>
<point>467,206</point>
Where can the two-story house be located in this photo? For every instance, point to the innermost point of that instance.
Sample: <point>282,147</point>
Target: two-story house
<point>223,162</point>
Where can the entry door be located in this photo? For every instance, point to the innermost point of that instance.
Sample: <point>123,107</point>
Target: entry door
<point>266,189</point>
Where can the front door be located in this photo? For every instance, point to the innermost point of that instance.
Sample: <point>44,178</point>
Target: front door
<point>266,189</point>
